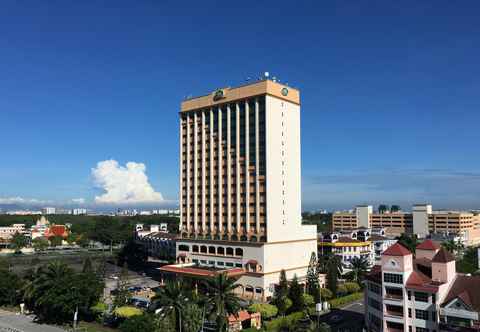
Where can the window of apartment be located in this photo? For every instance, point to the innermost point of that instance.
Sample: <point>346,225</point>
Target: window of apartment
<point>393,278</point>
<point>374,304</point>
<point>420,329</point>
<point>409,293</point>
<point>421,297</point>
<point>377,322</point>
<point>421,314</point>
<point>409,313</point>
<point>374,288</point>
<point>229,264</point>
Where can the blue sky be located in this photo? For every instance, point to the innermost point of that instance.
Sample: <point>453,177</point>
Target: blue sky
<point>390,107</point>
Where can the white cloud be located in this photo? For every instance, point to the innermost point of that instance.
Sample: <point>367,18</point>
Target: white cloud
<point>21,200</point>
<point>124,184</point>
<point>78,200</point>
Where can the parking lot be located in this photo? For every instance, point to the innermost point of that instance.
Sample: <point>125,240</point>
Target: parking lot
<point>347,319</point>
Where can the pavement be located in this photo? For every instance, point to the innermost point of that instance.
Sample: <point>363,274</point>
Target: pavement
<point>12,322</point>
<point>347,319</point>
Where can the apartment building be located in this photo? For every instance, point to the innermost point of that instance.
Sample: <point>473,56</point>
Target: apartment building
<point>422,293</point>
<point>422,221</point>
<point>240,203</point>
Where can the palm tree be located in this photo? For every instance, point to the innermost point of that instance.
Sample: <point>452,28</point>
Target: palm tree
<point>359,266</point>
<point>455,247</point>
<point>38,290</point>
<point>171,299</point>
<point>222,298</point>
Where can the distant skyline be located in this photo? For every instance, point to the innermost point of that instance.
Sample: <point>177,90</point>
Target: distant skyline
<point>90,92</point>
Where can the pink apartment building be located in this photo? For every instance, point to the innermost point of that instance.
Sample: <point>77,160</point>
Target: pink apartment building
<point>422,293</point>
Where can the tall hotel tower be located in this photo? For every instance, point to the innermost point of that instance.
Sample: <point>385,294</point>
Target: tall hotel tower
<point>240,185</point>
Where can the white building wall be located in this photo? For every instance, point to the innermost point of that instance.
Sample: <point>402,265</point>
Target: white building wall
<point>420,219</point>
<point>363,213</point>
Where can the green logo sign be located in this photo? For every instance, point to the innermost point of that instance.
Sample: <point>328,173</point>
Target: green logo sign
<point>284,91</point>
<point>219,94</point>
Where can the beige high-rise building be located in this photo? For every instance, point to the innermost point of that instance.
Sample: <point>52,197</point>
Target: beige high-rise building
<point>240,185</point>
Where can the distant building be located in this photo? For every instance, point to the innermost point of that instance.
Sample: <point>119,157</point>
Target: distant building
<point>156,240</point>
<point>422,293</point>
<point>422,221</point>
<point>49,210</point>
<point>79,212</point>
<point>43,228</point>
<point>364,243</point>
<point>6,233</point>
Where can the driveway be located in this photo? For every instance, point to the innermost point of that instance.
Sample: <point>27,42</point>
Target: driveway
<point>346,319</point>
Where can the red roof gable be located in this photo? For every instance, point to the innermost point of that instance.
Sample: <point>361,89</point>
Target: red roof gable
<point>428,245</point>
<point>443,256</point>
<point>57,230</point>
<point>397,250</point>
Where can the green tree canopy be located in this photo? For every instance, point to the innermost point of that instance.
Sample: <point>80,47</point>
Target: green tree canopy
<point>18,242</point>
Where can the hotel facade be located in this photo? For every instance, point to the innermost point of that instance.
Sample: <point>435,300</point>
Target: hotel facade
<point>240,185</point>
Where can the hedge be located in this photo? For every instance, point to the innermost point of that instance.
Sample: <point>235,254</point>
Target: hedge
<point>290,320</point>
<point>342,301</point>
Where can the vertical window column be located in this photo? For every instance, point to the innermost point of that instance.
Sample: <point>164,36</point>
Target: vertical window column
<point>182,215</point>
<point>220,164</point>
<point>247,165</point>
<point>237,166</point>
<point>204,160</point>
<point>211,171</point>
<point>195,173</point>
<point>229,173</point>
<point>257,169</point>
<point>187,217</point>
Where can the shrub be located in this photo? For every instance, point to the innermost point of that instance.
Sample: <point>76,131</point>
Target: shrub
<point>342,290</point>
<point>352,287</point>
<point>308,300</point>
<point>99,308</point>
<point>266,310</point>
<point>138,323</point>
<point>284,323</point>
<point>127,312</point>
<point>341,301</point>
<point>326,294</point>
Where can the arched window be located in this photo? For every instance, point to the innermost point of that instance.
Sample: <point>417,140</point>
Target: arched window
<point>229,251</point>
<point>195,248</point>
<point>203,249</point>
<point>238,252</point>
<point>220,251</point>
<point>211,250</point>
<point>183,247</point>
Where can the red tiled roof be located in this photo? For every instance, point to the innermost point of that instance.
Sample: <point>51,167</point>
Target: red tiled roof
<point>397,250</point>
<point>241,316</point>
<point>57,230</point>
<point>199,272</point>
<point>443,256</point>
<point>467,288</point>
<point>428,245</point>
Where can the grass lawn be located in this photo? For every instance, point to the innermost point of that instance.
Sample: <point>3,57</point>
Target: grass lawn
<point>94,327</point>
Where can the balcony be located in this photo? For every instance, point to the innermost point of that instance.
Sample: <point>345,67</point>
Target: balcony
<point>393,297</point>
<point>395,314</point>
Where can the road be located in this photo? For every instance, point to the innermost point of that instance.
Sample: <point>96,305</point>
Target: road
<point>347,319</point>
<point>11,322</point>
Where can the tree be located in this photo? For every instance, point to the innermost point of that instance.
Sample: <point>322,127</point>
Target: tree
<point>313,285</point>
<point>18,242</point>
<point>408,241</point>
<point>83,241</point>
<point>122,293</point>
<point>222,298</point>
<point>11,288</point>
<point>55,241</point>
<point>280,297</point>
<point>192,318</point>
<point>342,290</point>
<point>171,299</point>
<point>334,271</point>
<point>295,293</point>
<point>382,208</point>
<point>395,208</point>
<point>71,238</point>
<point>55,291</point>
<point>40,244</point>
<point>137,323</point>
<point>326,294</point>
<point>455,247</point>
<point>359,266</point>
<point>266,310</point>
<point>133,254</point>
